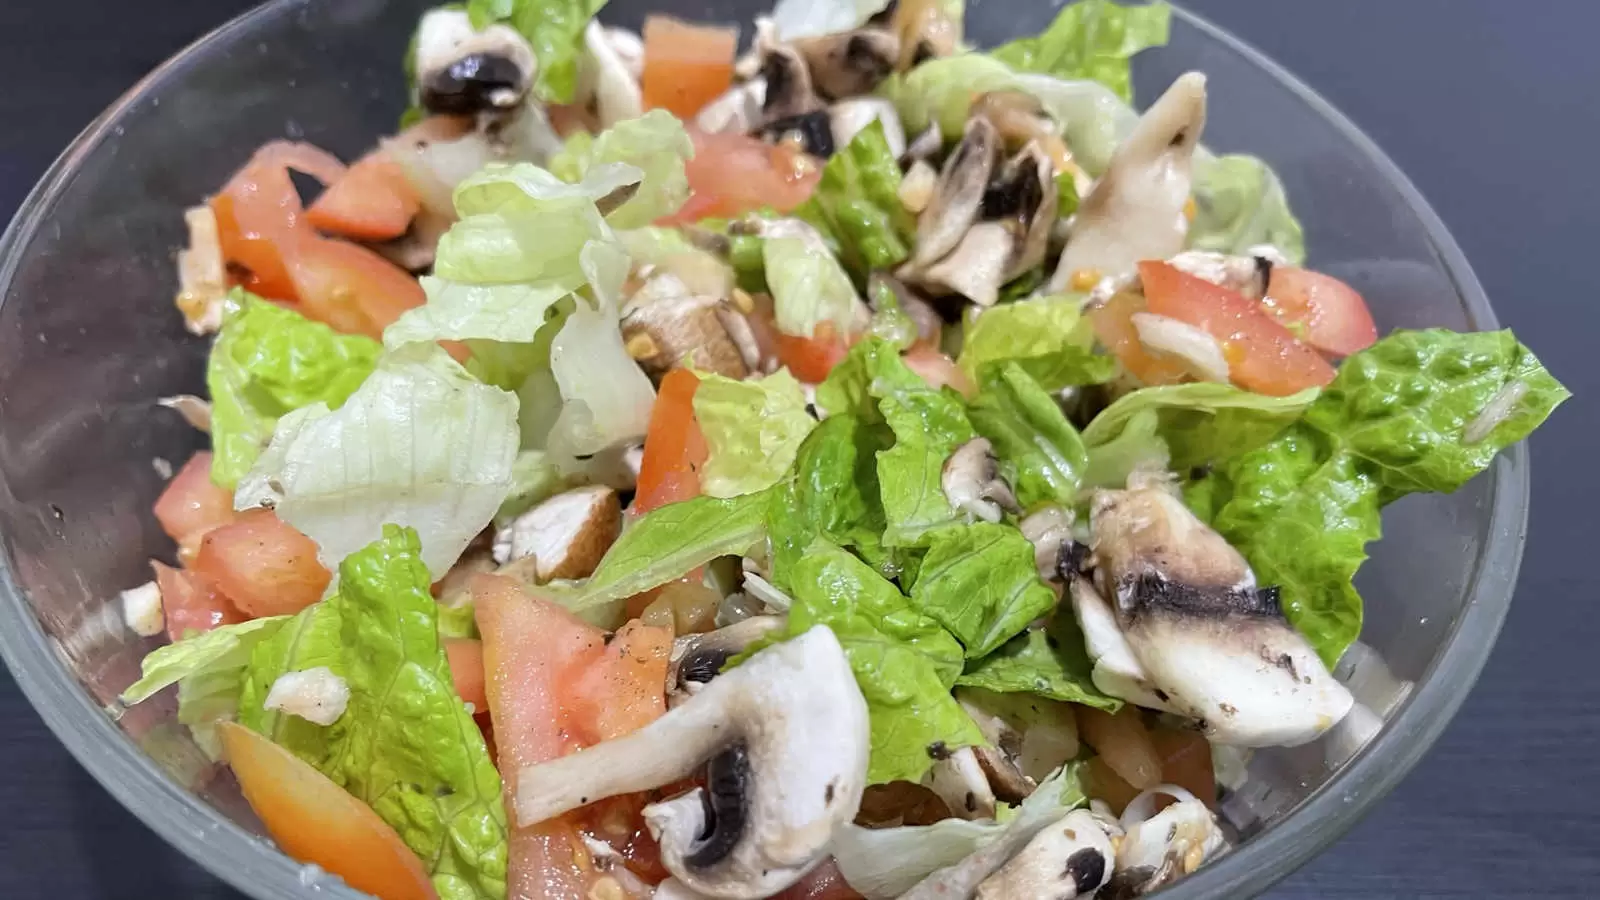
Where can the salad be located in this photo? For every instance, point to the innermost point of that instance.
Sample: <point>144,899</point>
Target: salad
<point>858,466</point>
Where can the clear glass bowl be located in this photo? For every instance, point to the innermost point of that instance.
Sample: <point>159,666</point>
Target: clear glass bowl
<point>89,339</point>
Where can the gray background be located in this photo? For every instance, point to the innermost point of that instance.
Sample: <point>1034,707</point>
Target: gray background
<point>1490,108</point>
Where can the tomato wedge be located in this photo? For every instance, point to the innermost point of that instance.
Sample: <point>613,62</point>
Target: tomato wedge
<point>190,602</point>
<point>259,214</point>
<point>192,505</point>
<point>621,692</point>
<point>1113,325</point>
<point>732,174</point>
<point>315,821</point>
<point>372,202</point>
<point>810,359</point>
<point>674,448</point>
<point>686,66</point>
<point>263,565</point>
<point>466,671</point>
<point>1328,313</point>
<point>350,288</point>
<point>1262,355</point>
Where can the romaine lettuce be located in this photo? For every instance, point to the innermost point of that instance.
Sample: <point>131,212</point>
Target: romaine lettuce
<point>831,493</point>
<point>1137,445</point>
<point>1048,660</point>
<point>979,582</point>
<point>857,203</point>
<point>1040,453</point>
<point>808,287</point>
<point>1091,39</point>
<point>1201,423</point>
<point>1048,337</point>
<point>753,430</point>
<point>1240,204</point>
<point>656,145</point>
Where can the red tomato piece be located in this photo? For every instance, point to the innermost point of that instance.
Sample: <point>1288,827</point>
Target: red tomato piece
<point>623,690</point>
<point>686,66</point>
<point>810,359</point>
<point>1186,762</point>
<point>263,565</point>
<point>674,448</point>
<point>1262,355</point>
<point>350,288</point>
<point>315,821</point>
<point>938,370</point>
<point>192,505</point>
<point>466,670</point>
<point>821,883</point>
<point>259,214</point>
<point>372,202</point>
<point>733,174</point>
<point>190,602</point>
<point>1113,325</point>
<point>1328,313</point>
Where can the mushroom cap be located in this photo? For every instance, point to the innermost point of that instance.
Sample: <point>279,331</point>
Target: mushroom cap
<point>1069,859</point>
<point>463,70</point>
<point>958,197</point>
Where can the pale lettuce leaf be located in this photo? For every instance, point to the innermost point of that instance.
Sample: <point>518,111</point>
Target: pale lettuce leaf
<point>1092,39</point>
<point>1201,423</point>
<point>808,287</point>
<point>1049,337</point>
<point>655,144</point>
<point>752,428</point>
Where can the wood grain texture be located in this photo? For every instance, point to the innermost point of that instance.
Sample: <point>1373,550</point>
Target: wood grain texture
<point>1488,106</point>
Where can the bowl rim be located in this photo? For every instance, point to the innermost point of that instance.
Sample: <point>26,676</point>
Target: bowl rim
<point>235,855</point>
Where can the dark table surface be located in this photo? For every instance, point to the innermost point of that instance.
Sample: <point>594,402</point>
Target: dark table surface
<point>1489,106</point>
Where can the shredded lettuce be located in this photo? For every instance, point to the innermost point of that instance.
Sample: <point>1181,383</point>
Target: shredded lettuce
<point>1040,453</point>
<point>1239,204</point>
<point>831,493</point>
<point>421,443</point>
<point>1048,660</point>
<point>808,287</point>
<point>1395,420</point>
<point>753,430</point>
<point>1049,337</point>
<point>553,28</point>
<point>857,203</point>
<point>812,18</point>
<point>656,145</point>
<point>1092,39</point>
<point>269,361</point>
<point>1137,446</point>
<point>941,90</point>
<point>1201,423</point>
<point>979,582</point>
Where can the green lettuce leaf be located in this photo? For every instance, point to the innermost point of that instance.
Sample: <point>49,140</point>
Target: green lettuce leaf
<point>667,542</point>
<point>808,287</point>
<point>499,322</point>
<point>1049,661</point>
<point>458,621</point>
<point>1093,119</point>
<point>1202,423</point>
<point>267,362</point>
<point>312,638</point>
<point>1091,39</point>
<point>535,478</point>
<point>832,493</point>
<point>553,28</point>
<point>420,444</point>
<point>1048,337</point>
<point>753,430</point>
<point>656,144</point>
<point>941,90</point>
<point>1137,445</point>
<point>980,583</point>
<point>1040,453</point>
<point>904,661</point>
<point>857,203</point>
<point>1239,204</point>
<point>1397,419</point>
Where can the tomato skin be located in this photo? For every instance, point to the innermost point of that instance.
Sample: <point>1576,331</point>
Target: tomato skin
<point>263,565</point>
<point>260,217</point>
<point>350,288</point>
<point>623,690</point>
<point>315,821</point>
<point>372,202</point>
<point>1334,317</point>
<point>939,370</point>
<point>1262,355</point>
<point>192,505</point>
<point>686,66</point>
<point>674,447</point>
<point>190,602</point>
<point>466,671</point>
<point>732,174</point>
<point>810,359</point>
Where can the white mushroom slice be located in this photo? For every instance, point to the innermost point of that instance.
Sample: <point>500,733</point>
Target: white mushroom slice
<point>698,658</point>
<point>663,324</point>
<point>1159,850</point>
<point>628,47</point>
<point>786,735</point>
<point>1208,639</point>
<point>565,535</point>
<point>195,411</point>
<point>1116,670</point>
<point>1135,211</point>
<point>615,89</point>
<point>849,63</point>
<point>960,782</point>
<point>1072,858</point>
<point>316,695</point>
<point>142,610</point>
<point>1197,350</point>
<point>1033,175</point>
<point>1001,760</point>
<point>849,118</point>
<point>202,274</point>
<point>916,188</point>
<point>976,268</point>
<point>1056,555</point>
<point>738,109</point>
<point>926,145</point>
<point>971,482</point>
<point>463,70</point>
<point>959,195</point>
<point>789,91</point>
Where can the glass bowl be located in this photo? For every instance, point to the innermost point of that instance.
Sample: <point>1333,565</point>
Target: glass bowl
<point>89,339</point>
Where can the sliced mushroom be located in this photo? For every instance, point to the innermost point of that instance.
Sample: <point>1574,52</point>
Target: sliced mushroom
<point>738,109</point>
<point>849,118</point>
<point>789,91</point>
<point>1136,209</point>
<point>1206,636</point>
<point>849,63</point>
<point>414,251</point>
<point>1158,849</point>
<point>958,198</point>
<point>977,267</point>
<point>664,323</point>
<point>925,31</point>
<point>1116,670</point>
<point>1246,274</point>
<point>698,658</point>
<point>1196,350</point>
<point>1023,197</point>
<point>1069,859</point>
<point>614,87</point>
<point>810,131</point>
<point>202,274</point>
<point>1001,762</point>
<point>971,482</point>
<point>959,780</point>
<point>788,733</point>
<point>1030,737</point>
<point>565,536</point>
<point>463,70</point>
<point>1049,530</point>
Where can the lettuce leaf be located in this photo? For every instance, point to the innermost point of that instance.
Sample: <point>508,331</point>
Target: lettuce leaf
<point>753,430</point>
<point>1137,445</point>
<point>1093,119</point>
<point>1302,507</point>
<point>1239,204</point>
<point>1041,455</point>
<point>420,444</point>
<point>1202,423</point>
<point>1092,39</point>
<point>553,28</point>
<point>980,583</point>
<point>941,90</point>
<point>857,203</point>
<point>406,745</point>
<point>656,145</point>
<point>1048,660</point>
<point>1049,337</point>
<point>808,286</point>
<point>535,478</point>
<point>832,493</point>
<point>267,362</point>
<point>904,661</point>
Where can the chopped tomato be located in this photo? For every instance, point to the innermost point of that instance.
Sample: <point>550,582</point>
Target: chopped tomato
<point>315,821</point>
<point>732,174</point>
<point>263,565</point>
<point>674,448</point>
<point>686,66</point>
<point>1262,355</point>
<point>938,370</point>
<point>1123,742</point>
<point>619,821</point>
<point>192,505</point>
<point>259,213</point>
<point>351,288</point>
<point>622,691</point>
<point>821,883</point>
<point>810,359</point>
<point>1186,762</point>
<point>372,202</point>
<point>466,670</point>
<point>190,602</point>
<point>1327,313</point>
<point>1113,325</point>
